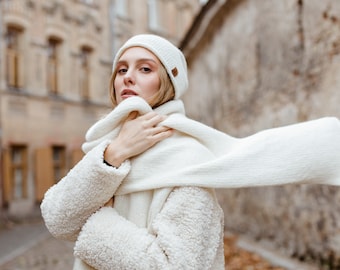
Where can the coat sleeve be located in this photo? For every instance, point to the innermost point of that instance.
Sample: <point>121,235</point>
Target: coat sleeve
<point>186,234</point>
<point>87,187</point>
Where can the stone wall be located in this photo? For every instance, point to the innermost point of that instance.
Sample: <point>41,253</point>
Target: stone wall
<point>263,64</point>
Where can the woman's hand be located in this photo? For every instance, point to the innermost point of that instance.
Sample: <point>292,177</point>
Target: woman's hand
<point>138,134</point>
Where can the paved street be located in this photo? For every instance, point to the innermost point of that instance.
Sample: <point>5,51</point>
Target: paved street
<point>31,247</point>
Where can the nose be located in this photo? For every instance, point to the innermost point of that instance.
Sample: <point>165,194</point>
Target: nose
<point>129,78</point>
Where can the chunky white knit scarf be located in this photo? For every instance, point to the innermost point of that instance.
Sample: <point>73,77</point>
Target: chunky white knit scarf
<point>197,155</point>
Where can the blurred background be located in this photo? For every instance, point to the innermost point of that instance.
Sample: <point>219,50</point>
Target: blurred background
<point>253,65</point>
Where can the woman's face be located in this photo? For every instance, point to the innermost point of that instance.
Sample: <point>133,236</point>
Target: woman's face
<point>137,74</point>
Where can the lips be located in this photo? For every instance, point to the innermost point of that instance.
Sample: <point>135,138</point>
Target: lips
<point>128,93</point>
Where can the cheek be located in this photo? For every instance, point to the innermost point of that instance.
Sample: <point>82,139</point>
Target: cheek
<point>115,86</point>
<point>115,83</point>
<point>155,84</point>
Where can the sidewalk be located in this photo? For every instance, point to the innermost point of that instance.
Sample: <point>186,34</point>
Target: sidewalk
<point>31,247</point>
<point>19,238</point>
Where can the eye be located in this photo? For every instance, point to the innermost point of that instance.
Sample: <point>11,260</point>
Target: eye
<point>121,70</point>
<point>145,69</point>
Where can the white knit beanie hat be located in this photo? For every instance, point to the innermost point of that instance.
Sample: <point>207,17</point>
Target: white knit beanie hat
<point>169,55</point>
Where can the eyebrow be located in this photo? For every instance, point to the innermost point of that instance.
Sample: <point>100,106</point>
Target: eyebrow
<point>138,61</point>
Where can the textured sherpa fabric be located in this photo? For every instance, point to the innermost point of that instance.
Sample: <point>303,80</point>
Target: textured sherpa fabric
<point>179,228</point>
<point>170,56</point>
<point>198,155</point>
<point>187,234</point>
<point>90,184</point>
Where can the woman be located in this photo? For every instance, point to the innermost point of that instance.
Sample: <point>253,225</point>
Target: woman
<point>167,228</point>
<point>142,196</point>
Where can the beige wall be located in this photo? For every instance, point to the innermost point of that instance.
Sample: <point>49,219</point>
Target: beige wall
<point>30,115</point>
<point>168,18</point>
<point>263,64</point>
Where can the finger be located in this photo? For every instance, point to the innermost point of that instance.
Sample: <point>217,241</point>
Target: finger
<point>132,115</point>
<point>163,135</point>
<point>155,120</point>
<point>160,129</point>
<point>148,115</point>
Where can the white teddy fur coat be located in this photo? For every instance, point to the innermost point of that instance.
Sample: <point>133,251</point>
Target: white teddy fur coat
<point>187,233</point>
<point>165,213</point>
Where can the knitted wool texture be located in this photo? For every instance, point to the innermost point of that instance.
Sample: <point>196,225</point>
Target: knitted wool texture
<point>170,56</point>
<point>197,155</point>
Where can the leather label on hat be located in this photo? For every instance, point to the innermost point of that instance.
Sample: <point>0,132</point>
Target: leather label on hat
<point>174,71</point>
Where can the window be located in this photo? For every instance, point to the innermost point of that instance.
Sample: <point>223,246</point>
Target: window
<point>18,167</point>
<point>85,72</point>
<point>52,65</point>
<point>203,2</point>
<point>13,57</point>
<point>121,8</point>
<point>59,162</point>
<point>154,22</point>
<point>88,2</point>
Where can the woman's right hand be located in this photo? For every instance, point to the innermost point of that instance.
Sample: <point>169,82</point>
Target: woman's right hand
<point>138,134</point>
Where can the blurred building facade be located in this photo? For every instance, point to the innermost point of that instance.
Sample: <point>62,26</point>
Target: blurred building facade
<point>255,65</point>
<point>55,65</point>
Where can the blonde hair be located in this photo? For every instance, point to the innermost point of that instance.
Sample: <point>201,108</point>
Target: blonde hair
<point>165,93</point>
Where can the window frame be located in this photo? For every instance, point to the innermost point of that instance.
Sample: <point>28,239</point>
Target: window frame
<point>53,57</point>
<point>14,56</point>
<point>59,164</point>
<point>16,165</point>
<point>85,71</point>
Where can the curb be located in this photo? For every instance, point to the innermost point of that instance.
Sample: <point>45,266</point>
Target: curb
<point>273,257</point>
